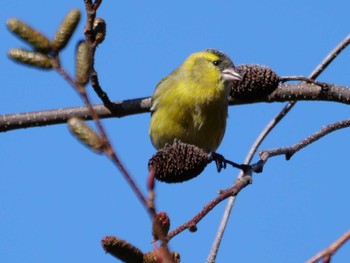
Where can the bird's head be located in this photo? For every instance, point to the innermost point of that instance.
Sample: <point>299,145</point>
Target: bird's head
<point>211,65</point>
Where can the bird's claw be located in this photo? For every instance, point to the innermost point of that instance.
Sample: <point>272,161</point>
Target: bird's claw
<point>221,162</point>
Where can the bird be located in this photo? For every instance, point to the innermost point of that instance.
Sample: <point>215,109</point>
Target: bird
<point>191,103</point>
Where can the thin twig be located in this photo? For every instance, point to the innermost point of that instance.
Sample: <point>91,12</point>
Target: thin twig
<point>97,4</point>
<point>319,69</point>
<point>239,184</point>
<point>299,78</point>
<point>329,251</point>
<point>90,38</point>
<point>291,150</point>
<point>91,15</point>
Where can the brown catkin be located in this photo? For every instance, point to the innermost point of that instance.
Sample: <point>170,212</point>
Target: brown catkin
<point>122,250</point>
<point>257,81</point>
<point>178,162</point>
<point>154,257</point>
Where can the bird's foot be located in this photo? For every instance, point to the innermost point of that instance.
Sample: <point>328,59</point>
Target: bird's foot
<point>221,162</point>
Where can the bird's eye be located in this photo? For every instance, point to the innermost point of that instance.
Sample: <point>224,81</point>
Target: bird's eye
<point>216,62</point>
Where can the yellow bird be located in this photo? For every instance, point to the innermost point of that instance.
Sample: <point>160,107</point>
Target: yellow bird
<point>191,103</point>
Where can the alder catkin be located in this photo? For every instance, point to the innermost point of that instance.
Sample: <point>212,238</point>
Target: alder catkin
<point>85,134</point>
<point>122,250</point>
<point>66,30</point>
<point>30,35</point>
<point>257,81</point>
<point>83,63</point>
<point>178,162</point>
<point>30,58</point>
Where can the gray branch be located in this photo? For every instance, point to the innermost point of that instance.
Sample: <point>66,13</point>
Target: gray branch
<point>285,92</point>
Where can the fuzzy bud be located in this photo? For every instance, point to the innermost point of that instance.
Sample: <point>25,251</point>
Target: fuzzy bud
<point>192,228</point>
<point>162,227</point>
<point>99,30</point>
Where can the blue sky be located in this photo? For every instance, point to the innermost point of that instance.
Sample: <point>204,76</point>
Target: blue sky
<point>58,199</point>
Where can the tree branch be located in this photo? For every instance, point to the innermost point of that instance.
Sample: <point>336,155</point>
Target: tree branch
<point>327,253</point>
<point>285,92</point>
<point>58,116</point>
<point>290,151</point>
<point>239,184</point>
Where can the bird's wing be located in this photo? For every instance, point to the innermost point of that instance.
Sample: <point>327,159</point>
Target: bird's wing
<point>162,89</point>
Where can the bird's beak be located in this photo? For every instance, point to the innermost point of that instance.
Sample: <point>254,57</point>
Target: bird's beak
<point>230,74</point>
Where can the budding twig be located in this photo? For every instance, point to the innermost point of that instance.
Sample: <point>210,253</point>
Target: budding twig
<point>90,36</point>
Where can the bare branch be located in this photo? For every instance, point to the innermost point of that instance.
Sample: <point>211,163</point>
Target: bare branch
<point>239,184</point>
<point>91,39</point>
<point>302,91</point>
<point>290,151</point>
<point>284,92</point>
<point>91,14</point>
<point>327,253</point>
<point>58,116</point>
